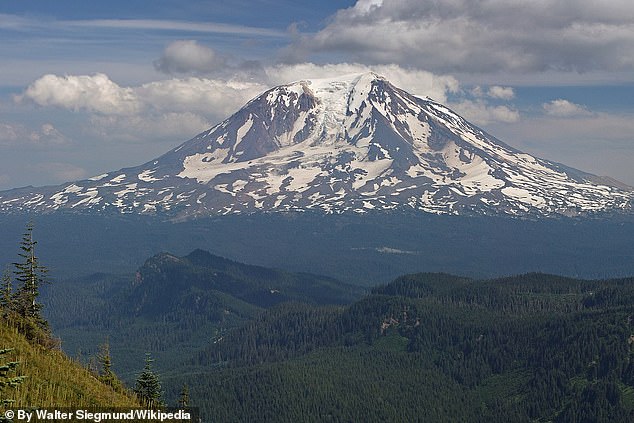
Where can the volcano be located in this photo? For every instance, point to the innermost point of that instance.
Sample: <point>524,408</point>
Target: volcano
<point>354,143</point>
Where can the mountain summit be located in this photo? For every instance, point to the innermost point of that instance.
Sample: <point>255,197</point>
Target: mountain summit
<point>353,143</point>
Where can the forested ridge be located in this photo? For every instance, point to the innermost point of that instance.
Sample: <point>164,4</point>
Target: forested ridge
<point>434,347</point>
<point>257,344</point>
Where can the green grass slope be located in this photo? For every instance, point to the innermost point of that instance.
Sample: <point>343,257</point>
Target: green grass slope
<point>53,379</point>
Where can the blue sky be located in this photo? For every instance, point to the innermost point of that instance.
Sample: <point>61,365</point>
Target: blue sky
<point>89,87</point>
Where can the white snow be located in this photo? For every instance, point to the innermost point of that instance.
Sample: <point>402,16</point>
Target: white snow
<point>242,131</point>
<point>146,176</point>
<point>129,188</point>
<point>523,195</point>
<point>98,177</point>
<point>302,177</point>
<point>333,160</point>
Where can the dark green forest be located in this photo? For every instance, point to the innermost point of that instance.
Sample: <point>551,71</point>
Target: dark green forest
<point>434,347</point>
<point>258,344</point>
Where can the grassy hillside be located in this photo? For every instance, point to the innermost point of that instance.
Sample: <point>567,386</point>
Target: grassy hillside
<point>53,379</point>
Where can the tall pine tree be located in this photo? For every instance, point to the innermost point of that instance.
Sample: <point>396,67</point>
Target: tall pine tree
<point>106,375</point>
<point>30,275</point>
<point>148,386</point>
<point>7,302</point>
<point>6,379</point>
<point>183,400</point>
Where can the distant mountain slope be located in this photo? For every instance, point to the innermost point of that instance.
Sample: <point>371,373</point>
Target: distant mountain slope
<point>174,306</point>
<point>349,144</point>
<point>167,282</point>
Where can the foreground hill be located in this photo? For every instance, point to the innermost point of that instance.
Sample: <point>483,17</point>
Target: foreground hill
<point>355,143</point>
<point>53,379</point>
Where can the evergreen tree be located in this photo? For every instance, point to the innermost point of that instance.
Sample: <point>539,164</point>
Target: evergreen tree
<point>30,275</point>
<point>148,386</point>
<point>106,375</point>
<point>7,302</point>
<point>6,380</point>
<point>183,401</point>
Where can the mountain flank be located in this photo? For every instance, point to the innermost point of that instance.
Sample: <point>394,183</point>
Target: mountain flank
<point>354,144</point>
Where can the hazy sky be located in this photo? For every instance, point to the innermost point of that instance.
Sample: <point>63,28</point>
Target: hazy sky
<point>88,87</point>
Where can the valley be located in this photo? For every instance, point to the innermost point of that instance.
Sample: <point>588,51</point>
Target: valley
<point>524,348</point>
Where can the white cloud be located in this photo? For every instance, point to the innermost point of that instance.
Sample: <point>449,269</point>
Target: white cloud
<point>477,91</point>
<point>502,93</point>
<point>96,93</point>
<point>185,56</point>
<point>565,108</point>
<point>481,113</point>
<point>16,134</point>
<point>171,109</point>
<point>172,25</point>
<point>468,36</point>
<point>177,108</point>
<point>417,82</point>
<point>211,100</point>
<point>166,126</point>
<point>214,98</point>
<point>494,91</point>
<point>99,95</point>
<point>9,133</point>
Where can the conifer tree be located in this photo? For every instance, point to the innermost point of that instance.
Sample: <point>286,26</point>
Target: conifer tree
<point>148,386</point>
<point>30,275</point>
<point>6,380</point>
<point>183,400</point>
<point>7,303</point>
<point>106,375</point>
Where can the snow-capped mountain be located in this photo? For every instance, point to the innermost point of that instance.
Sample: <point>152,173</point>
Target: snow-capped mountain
<point>355,143</point>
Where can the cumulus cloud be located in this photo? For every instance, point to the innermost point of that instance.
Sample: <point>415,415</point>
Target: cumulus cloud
<point>95,93</point>
<point>495,91</point>
<point>213,98</point>
<point>8,133</point>
<point>99,95</point>
<point>482,113</point>
<point>418,82</point>
<point>188,56</point>
<point>217,98</point>
<point>177,108</point>
<point>159,110</point>
<point>565,108</point>
<point>171,126</point>
<point>502,93</point>
<point>16,134</point>
<point>457,36</point>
